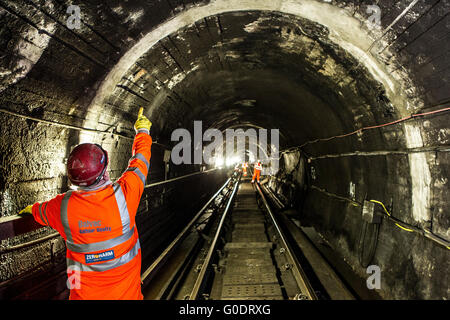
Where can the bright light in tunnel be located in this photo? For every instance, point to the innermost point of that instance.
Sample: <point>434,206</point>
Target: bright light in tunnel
<point>219,162</point>
<point>232,161</point>
<point>251,157</point>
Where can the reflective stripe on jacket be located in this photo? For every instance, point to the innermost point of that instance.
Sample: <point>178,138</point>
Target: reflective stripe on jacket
<point>258,166</point>
<point>99,227</point>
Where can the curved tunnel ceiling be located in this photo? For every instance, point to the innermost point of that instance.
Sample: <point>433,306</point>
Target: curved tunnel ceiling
<point>306,65</point>
<point>300,79</point>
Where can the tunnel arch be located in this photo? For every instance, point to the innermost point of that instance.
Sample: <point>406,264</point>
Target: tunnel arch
<point>345,31</point>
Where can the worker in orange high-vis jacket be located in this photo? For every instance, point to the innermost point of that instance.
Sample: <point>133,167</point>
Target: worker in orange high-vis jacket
<point>244,168</point>
<point>97,220</point>
<point>257,171</point>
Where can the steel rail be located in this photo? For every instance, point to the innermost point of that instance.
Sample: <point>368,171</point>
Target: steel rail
<point>274,197</point>
<point>179,178</point>
<point>14,218</point>
<point>297,270</point>
<point>181,235</point>
<point>201,277</point>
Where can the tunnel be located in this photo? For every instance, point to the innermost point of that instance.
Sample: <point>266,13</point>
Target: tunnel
<point>359,91</point>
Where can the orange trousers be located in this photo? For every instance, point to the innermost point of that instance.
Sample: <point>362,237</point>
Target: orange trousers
<point>245,172</point>
<point>256,174</point>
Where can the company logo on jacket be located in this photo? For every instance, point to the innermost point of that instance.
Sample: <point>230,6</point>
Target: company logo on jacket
<point>91,224</point>
<point>102,256</point>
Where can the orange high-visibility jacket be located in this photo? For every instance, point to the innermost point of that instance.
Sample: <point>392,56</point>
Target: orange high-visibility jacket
<point>103,250</point>
<point>245,165</point>
<point>258,166</point>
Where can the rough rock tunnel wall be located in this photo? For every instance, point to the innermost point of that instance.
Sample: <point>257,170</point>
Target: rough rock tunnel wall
<point>313,69</point>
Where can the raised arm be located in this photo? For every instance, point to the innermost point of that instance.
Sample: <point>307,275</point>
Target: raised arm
<point>133,180</point>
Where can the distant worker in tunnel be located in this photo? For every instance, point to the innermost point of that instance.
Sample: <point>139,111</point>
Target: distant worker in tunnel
<point>244,168</point>
<point>257,171</point>
<point>97,221</point>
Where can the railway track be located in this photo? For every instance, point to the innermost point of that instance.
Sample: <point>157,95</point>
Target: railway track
<point>255,264</point>
<point>233,249</point>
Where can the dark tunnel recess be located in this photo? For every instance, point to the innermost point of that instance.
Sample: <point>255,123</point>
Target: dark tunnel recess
<point>312,69</point>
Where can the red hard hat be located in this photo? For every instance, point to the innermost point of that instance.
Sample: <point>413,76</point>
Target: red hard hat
<point>87,164</point>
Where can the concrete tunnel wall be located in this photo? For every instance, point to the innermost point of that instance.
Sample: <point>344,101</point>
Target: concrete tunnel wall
<point>309,65</point>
